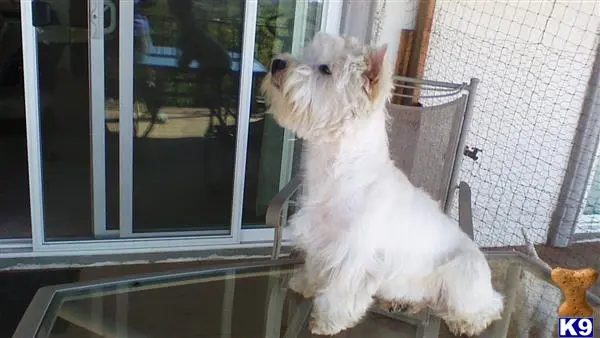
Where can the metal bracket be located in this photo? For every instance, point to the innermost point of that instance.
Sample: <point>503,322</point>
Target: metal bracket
<point>472,152</point>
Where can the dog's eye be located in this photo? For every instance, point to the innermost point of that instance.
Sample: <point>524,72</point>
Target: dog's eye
<point>324,69</point>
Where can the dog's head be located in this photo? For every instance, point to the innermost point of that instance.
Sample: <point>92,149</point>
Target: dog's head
<point>336,81</point>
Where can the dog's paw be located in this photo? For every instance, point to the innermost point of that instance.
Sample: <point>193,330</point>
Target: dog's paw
<point>309,293</point>
<point>459,328</point>
<point>299,285</point>
<point>413,309</point>
<point>323,328</point>
<point>398,306</point>
<point>296,283</point>
<point>392,306</point>
<point>468,326</point>
<point>475,321</point>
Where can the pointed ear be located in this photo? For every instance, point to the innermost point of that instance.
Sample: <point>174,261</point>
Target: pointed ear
<point>375,62</point>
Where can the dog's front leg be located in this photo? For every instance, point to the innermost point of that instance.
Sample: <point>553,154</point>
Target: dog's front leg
<point>303,283</point>
<point>341,304</point>
<point>305,280</point>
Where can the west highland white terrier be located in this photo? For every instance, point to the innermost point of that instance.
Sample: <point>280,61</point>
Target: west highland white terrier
<point>365,230</point>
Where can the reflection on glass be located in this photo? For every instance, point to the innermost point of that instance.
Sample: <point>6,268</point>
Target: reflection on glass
<point>232,305</point>
<point>186,89</point>
<point>15,219</point>
<point>111,115</point>
<point>283,26</point>
<point>592,206</point>
<point>65,119</point>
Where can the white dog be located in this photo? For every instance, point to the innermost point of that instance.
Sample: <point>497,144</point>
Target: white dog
<point>365,229</point>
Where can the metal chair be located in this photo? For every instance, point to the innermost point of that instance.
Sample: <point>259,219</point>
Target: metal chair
<point>427,142</point>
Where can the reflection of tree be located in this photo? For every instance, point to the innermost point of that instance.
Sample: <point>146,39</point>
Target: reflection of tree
<point>195,43</point>
<point>222,19</point>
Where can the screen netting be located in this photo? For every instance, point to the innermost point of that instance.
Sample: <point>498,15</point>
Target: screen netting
<point>535,61</point>
<point>536,121</point>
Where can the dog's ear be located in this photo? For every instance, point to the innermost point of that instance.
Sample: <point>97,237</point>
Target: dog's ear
<point>375,60</point>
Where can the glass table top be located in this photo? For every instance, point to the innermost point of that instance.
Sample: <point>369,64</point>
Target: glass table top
<point>251,300</point>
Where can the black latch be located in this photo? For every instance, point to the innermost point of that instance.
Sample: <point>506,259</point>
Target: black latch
<point>42,13</point>
<point>472,152</point>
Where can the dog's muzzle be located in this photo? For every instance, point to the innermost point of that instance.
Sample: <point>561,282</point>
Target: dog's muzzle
<point>277,65</point>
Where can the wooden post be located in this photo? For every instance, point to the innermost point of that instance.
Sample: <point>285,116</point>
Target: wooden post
<point>402,59</point>
<point>416,66</point>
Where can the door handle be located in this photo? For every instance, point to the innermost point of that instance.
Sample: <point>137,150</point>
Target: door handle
<point>110,10</point>
<point>98,22</point>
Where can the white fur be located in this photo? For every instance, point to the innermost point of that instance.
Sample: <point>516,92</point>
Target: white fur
<point>365,229</point>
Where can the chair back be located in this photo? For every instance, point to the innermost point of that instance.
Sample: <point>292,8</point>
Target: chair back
<point>427,139</point>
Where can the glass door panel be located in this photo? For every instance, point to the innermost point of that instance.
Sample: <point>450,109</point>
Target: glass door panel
<point>274,153</point>
<point>144,117</point>
<point>589,220</point>
<point>187,82</point>
<point>15,219</point>
<point>64,118</point>
<point>138,111</point>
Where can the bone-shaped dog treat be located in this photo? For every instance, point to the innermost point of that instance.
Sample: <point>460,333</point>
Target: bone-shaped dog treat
<point>574,284</point>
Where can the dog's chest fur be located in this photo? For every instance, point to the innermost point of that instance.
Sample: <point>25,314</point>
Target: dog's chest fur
<point>344,179</point>
<point>335,169</point>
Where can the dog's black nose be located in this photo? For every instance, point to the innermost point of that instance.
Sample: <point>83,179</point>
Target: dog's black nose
<point>277,65</point>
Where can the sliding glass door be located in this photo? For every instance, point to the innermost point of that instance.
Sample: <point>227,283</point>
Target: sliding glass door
<point>145,124</point>
<point>588,223</point>
<point>283,26</point>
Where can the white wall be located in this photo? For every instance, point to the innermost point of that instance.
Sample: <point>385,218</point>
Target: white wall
<point>356,21</point>
<point>534,60</point>
<point>395,16</point>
